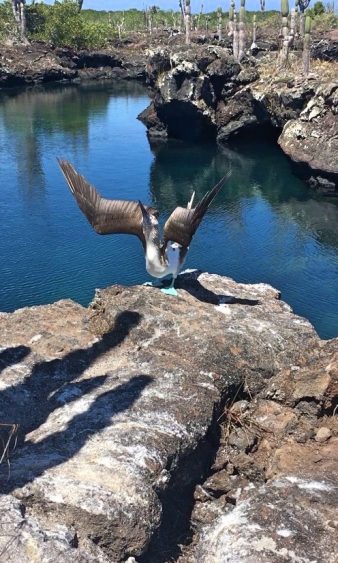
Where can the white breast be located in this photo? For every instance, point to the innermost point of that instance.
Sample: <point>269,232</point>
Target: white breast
<point>173,257</point>
<point>155,266</point>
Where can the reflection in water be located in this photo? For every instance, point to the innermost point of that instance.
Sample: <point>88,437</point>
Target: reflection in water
<point>265,226</point>
<point>31,115</point>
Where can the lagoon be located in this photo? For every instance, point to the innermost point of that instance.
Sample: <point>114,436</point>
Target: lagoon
<point>266,226</point>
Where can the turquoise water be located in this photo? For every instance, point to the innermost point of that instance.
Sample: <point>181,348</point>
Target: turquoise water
<point>266,226</point>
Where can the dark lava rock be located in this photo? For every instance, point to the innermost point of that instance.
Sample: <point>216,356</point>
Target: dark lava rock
<point>316,126</point>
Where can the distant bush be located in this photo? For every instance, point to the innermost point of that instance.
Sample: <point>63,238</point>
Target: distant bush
<point>318,8</point>
<point>63,25</point>
<point>7,24</point>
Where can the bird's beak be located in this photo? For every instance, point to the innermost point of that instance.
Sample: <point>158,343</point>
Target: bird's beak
<point>145,215</point>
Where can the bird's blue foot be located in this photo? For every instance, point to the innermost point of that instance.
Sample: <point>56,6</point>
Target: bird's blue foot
<point>170,291</point>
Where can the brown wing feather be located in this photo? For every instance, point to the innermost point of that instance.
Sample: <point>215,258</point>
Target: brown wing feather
<point>107,216</point>
<point>183,223</point>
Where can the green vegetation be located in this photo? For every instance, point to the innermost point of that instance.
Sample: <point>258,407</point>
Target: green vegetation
<point>63,24</point>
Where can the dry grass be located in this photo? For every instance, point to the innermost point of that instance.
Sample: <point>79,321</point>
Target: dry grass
<point>293,75</point>
<point>8,442</point>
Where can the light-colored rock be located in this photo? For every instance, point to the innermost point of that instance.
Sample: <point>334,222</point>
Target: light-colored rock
<point>24,539</point>
<point>289,519</point>
<point>323,434</point>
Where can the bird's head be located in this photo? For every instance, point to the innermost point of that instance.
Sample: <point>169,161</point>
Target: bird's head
<point>150,222</point>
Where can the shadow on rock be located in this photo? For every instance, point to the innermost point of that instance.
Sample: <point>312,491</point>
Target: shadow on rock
<point>11,356</point>
<point>189,282</point>
<point>30,403</point>
<point>57,448</point>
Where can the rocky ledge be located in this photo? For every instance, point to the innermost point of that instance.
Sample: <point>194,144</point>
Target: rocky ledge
<point>148,423</point>
<point>39,64</point>
<point>202,92</point>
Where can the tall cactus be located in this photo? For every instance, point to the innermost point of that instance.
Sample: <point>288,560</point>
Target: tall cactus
<point>303,4</point>
<point>242,31</point>
<point>187,21</point>
<point>231,18</point>
<point>293,25</point>
<point>284,52</point>
<point>219,23</point>
<point>254,27</point>
<point>18,8</point>
<point>235,39</point>
<point>306,44</point>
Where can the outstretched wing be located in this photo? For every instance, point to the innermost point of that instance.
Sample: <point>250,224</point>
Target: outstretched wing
<point>106,216</point>
<point>183,223</point>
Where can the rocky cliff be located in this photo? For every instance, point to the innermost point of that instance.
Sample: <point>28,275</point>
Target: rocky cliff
<point>202,92</point>
<point>148,422</point>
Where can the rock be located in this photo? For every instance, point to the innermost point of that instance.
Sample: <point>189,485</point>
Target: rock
<point>300,137</point>
<point>242,439</point>
<point>24,539</point>
<point>323,434</point>
<point>325,49</point>
<point>113,409</point>
<point>309,460</point>
<point>156,129</point>
<point>239,408</point>
<point>206,513</point>
<point>219,483</point>
<point>39,64</point>
<point>272,417</point>
<point>235,114</point>
<point>287,519</point>
<point>315,383</point>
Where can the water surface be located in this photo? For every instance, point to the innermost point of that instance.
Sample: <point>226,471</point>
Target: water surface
<point>266,226</point>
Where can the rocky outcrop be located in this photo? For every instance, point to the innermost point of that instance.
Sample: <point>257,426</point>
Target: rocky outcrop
<point>277,463</point>
<point>38,63</point>
<point>119,409</point>
<point>312,139</point>
<point>202,92</point>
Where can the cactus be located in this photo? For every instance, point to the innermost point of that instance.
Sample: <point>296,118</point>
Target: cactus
<point>242,31</point>
<point>219,23</point>
<point>262,3</point>
<point>253,44</point>
<point>235,39</point>
<point>284,52</point>
<point>306,44</point>
<point>187,17</point>
<point>293,25</point>
<point>231,18</point>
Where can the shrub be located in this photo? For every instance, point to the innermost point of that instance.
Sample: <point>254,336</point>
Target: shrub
<point>7,24</point>
<point>318,9</point>
<point>63,25</point>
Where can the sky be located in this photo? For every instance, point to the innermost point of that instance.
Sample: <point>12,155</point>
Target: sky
<point>208,5</point>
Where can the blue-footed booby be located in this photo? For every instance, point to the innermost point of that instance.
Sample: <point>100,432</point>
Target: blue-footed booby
<point>113,216</point>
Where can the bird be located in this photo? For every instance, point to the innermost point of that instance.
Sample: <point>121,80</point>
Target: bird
<point>115,216</point>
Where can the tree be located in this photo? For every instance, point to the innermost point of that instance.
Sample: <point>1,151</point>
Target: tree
<point>318,9</point>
